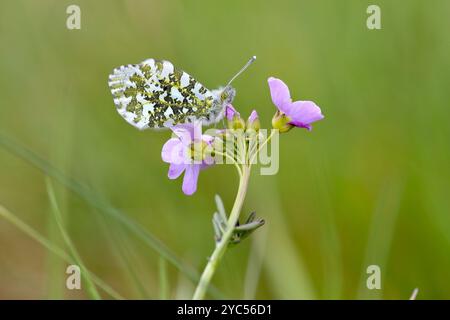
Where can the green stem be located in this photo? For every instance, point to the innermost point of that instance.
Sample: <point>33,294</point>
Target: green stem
<point>222,245</point>
<point>232,161</point>
<point>253,155</point>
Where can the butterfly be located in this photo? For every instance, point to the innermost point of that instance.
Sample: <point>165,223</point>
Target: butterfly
<point>155,94</point>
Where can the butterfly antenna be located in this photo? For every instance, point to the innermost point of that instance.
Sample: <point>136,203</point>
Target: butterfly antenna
<point>242,70</point>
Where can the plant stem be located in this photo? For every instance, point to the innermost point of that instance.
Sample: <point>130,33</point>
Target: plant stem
<point>253,155</point>
<point>222,245</point>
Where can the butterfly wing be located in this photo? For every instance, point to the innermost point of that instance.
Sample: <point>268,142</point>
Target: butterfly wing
<point>155,94</point>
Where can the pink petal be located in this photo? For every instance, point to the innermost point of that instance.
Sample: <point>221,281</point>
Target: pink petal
<point>188,132</point>
<point>207,163</point>
<point>175,170</point>
<point>172,151</point>
<point>230,112</point>
<point>303,113</point>
<point>253,116</point>
<point>280,93</point>
<point>197,131</point>
<point>190,179</point>
<point>207,138</point>
<point>184,132</point>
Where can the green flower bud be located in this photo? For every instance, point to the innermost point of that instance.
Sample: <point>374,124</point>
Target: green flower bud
<point>237,123</point>
<point>234,118</point>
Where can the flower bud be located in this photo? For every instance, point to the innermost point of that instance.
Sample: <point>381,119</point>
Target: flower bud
<point>253,122</point>
<point>237,124</point>
<point>281,122</point>
<point>230,112</point>
<point>234,118</point>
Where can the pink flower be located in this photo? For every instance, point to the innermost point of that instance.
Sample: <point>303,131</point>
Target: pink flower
<point>253,121</point>
<point>298,113</point>
<point>253,116</point>
<point>234,118</point>
<point>185,153</point>
<point>230,112</point>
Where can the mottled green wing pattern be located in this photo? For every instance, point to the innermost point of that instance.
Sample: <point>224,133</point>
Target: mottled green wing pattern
<point>155,94</point>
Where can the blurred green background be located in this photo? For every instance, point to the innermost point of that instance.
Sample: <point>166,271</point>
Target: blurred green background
<point>369,185</point>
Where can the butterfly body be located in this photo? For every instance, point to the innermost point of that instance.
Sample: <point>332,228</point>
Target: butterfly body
<point>155,94</point>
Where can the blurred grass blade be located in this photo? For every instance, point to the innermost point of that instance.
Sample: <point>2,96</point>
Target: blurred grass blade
<point>103,206</point>
<point>120,246</point>
<point>22,226</point>
<point>285,268</point>
<point>381,233</point>
<point>330,243</point>
<point>414,294</point>
<point>255,264</point>
<point>56,280</point>
<point>91,289</point>
<point>163,280</point>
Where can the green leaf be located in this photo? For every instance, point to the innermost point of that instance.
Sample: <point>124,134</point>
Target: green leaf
<point>221,208</point>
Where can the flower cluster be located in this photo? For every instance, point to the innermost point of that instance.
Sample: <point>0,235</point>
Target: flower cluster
<point>190,151</point>
<point>186,153</point>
